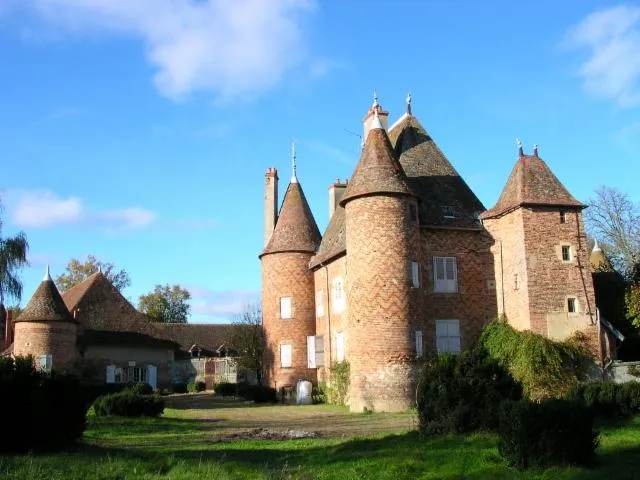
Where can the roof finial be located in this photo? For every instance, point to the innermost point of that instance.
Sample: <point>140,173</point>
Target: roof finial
<point>535,149</point>
<point>519,143</point>
<point>47,276</point>
<point>596,247</point>
<point>294,179</point>
<point>375,98</point>
<point>409,103</point>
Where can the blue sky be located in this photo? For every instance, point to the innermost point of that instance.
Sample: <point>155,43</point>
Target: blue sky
<point>139,130</point>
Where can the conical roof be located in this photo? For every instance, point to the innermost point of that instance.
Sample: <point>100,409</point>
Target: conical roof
<point>46,305</point>
<point>296,229</point>
<point>598,260</point>
<point>532,183</point>
<point>378,170</point>
<point>446,199</point>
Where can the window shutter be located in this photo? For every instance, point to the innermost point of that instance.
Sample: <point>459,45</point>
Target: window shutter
<point>285,355</point>
<point>319,351</point>
<point>419,351</point>
<point>339,346</point>
<point>311,351</point>
<point>111,373</point>
<point>152,376</point>
<point>285,307</point>
<point>415,274</point>
<point>451,274</point>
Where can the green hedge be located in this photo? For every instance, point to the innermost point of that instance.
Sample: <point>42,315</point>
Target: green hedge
<point>179,388</point>
<point>225,389</point>
<point>194,387</point>
<point>129,404</point>
<point>461,393</point>
<point>608,399</point>
<point>553,432</point>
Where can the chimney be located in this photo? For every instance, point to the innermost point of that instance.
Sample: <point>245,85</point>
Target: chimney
<point>382,116</point>
<point>270,202</point>
<point>8,329</point>
<point>336,191</point>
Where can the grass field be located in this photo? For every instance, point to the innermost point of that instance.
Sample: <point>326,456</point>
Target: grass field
<point>201,438</point>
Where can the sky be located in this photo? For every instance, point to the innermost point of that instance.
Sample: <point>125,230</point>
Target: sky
<point>139,131</point>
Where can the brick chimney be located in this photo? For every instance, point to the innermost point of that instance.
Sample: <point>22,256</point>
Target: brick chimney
<point>335,195</point>
<point>270,202</point>
<point>8,330</point>
<point>383,117</point>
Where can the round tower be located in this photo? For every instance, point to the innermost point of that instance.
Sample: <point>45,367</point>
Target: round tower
<point>288,299</point>
<point>46,330</point>
<point>381,236</point>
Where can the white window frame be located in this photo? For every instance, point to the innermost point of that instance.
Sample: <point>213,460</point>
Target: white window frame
<point>340,355</point>
<point>576,306</point>
<point>419,344</point>
<point>446,284</point>
<point>415,274</point>
<point>320,303</point>
<point>286,355</point>
<point>448,338</point>
<point>286,308</point>
<point>338,295</point>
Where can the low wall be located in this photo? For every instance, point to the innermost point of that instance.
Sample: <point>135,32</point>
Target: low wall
<point>619,372</point>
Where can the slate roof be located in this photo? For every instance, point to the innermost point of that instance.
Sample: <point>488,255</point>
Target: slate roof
<point>378,170</point>
<point>433,178</point>
<point>208,337</point>
<point>46,305</point>
<point>296,229</point>
<point>532,183</point>
<point>334,241</point>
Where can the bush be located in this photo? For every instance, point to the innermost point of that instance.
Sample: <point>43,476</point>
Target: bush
<point>259,394</point>
<point>139,388</point>
<point>461,393</point>
<point>129,404</point>
<point>553,432</point>
<point>608,399</point>
<point>194,387</point>
<point>179,388</point>
<point>335,391</point>
<point>49,410</point>
<point>226,389</point>
<point>544,367</point>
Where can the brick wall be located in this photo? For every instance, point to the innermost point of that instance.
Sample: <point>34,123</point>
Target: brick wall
<point>57,339</point>
<point>288,275</point>
<point>381,239</point>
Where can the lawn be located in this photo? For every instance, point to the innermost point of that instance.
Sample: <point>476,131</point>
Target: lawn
<point>199,437</point>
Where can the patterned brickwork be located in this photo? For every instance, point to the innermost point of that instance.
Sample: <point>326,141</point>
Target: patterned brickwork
<point>380,240</point>
<point>47,338</point>
<point>288,275</point>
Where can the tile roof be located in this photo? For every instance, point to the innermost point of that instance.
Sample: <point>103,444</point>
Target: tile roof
<point>46,305</point>
<point>208,337</point>
<point>532,183</point>
<point>378,170</point>
<point>296,229</point>
<point>334,242</point>
<point>106,337</point>
<point>433,178</point>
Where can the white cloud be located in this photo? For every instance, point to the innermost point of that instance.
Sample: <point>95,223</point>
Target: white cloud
<point>612,69</point>
<point>45,209</point>
<point>234,48</point>
<point>225,303</point>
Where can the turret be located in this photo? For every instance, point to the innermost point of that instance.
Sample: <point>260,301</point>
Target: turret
<point>288,303</point>
<point>381,236</point>
<point>45,329</point>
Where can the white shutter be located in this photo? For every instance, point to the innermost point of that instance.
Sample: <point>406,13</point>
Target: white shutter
<point>111,373</point>
<point>311,352</point>
<point>285,355</point>
<point>339,346</point>
<point>285,307</point>
<point>415,274</point>
<point>419,349</point>
<point>152,376</point>
<point>451,274</point>
<point>339,300</point>
<point>438,274</point>
<point>319,351</point>
<point>319,303</point>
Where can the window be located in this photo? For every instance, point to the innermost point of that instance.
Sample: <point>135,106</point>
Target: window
<point>315,351</point>
<point>445,275</point>
<point>339,300</point>
<point>128,374</point>
<point>339,346</point>
<point>413,213</point>
<point>319,303</point>
<point>285,355</point>
<point>572,305</point>
<point>45,362</point>
<point>448,211</point>
<point>515,281</point>
<point>563,216</point>
<point>285,307</point>
<point>415,274</point>
<point>566,253</point>
<point>448,336</point>
<point>419,349</point>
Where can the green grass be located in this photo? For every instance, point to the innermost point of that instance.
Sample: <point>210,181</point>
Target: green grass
<point>205,441</point>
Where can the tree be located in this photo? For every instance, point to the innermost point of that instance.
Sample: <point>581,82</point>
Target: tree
<point>248,340</point>
<point>13,257</point>
<point>77,271</point>
<point>166,304</point>
<point>614,219</point>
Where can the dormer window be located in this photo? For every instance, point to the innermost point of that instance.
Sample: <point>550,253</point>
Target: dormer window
<point>448,211</point>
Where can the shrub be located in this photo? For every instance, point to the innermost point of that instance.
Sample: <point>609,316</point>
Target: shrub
<point>139,388</point>
<point>553,432</point>
<point>194,387</point>
<point>608,399</point>
<point>50,410</point>
<point>226,389</point>
<point>259,394</point>
<point>129,404</point>
<point>179,388</point>
<point>544,367</point>
<point>335,391</point>
<point>461,393</point>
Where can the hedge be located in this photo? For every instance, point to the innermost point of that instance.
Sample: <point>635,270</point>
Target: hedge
<point>194,387</point>
<point>129,404</point>
<point>608,399</point>
<point>225,389</point>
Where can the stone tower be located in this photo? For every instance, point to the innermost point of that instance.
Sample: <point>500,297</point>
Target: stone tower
<point>382,232</point>
<point>288,303</point>
<point>46,330</point>
<point>543,279</point>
